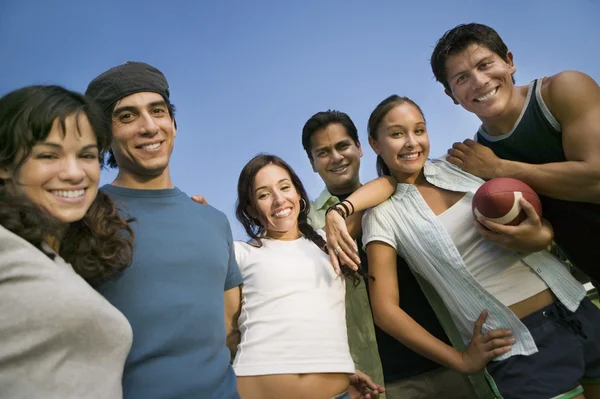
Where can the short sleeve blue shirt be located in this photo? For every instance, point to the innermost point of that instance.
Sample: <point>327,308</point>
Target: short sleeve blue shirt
<point>172,295</point>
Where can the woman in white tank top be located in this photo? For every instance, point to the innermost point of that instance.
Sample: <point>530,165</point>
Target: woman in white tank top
<point>511,301</point>
<point>289,335</point>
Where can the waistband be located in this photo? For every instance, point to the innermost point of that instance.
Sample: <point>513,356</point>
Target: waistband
<point>343,395</point>
<point>558,313</point>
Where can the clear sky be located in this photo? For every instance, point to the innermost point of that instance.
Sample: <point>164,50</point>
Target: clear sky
<point>246,75</point>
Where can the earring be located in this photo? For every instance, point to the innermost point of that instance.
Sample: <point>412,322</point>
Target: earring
<point>302,202</point>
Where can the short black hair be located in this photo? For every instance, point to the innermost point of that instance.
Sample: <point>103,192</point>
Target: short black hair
<point>459,38</point>
<point>321,120</point>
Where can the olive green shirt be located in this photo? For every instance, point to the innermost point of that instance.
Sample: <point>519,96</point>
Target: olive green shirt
<point>359,320</point>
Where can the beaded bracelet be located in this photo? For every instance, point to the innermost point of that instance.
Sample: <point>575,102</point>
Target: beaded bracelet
<point>335,207</point>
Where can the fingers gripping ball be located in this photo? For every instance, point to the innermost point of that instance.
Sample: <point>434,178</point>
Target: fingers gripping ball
<point>498,201</point>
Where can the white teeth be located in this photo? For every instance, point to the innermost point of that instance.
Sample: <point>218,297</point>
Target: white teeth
<point>68,193</point>
<point>151,146</point>
<point>487,96</point>
<point>339,169</point>
<point>410,156</point>
<point>283,213</point>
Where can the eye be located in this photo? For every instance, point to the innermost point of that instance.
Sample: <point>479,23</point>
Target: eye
<point>47,156</point>
<point>285,188</point>
<point>126,117</point>
<point>321,154</point>
<point>420,130</point>
<point>485,65</point>
<point>158,111</point>
<point>262,196</point>
<point>397,134</point>
<point>89,155</point>
<point>461,79</point>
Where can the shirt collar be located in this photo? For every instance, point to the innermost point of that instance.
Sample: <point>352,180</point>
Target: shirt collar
<point>324,199</point>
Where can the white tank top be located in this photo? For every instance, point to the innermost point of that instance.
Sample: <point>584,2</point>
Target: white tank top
<point>501,272</point>
<point>293,318</point>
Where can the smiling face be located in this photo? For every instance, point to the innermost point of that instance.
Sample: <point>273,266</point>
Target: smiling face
<point>480,80</point>
<point>402,142</point>
<point>143,135</point>
<point>63,171</point>
<point>278,202</point>
<point>336,158</point>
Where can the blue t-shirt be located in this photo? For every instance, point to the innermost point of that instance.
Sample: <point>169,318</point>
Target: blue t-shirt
<point>172,294</point>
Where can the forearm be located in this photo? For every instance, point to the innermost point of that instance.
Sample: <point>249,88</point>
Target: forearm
<point>570,180</point>
<point>373,193</point>
<point>232,340</point>
<point>402,327</point>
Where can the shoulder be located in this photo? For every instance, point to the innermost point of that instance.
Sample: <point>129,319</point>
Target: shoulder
<point>18,257</point>
<point>568,91</point>
<point>207,213</point>
<point>244,251</point>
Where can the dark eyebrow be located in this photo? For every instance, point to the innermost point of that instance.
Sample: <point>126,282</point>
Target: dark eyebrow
<point>282,180</point>
<point>485,58</point>
<point>320,148</point>
<point>345,141</point>
<point>132,108</point>
<point>59,147</point>
<point>341,142</point>
<point>395,127</point>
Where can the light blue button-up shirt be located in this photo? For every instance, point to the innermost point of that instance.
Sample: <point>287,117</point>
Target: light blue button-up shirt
<point>406,222</point>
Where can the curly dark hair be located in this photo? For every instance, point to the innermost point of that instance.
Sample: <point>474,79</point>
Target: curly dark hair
<point>246,205</point>
<point>99,245</point>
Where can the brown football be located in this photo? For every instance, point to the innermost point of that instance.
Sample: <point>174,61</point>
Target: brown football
<point>498,201</point>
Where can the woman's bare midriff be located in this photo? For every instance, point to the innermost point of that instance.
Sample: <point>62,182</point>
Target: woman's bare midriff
<point>532,304</point>
<point>293,386</point>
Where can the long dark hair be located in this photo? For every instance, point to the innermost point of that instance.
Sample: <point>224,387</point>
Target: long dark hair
<point>380,111</point>
<point>101,243</point>
<point>246,205</point>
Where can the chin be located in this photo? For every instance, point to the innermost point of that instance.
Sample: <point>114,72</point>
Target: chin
<point>70,215</point>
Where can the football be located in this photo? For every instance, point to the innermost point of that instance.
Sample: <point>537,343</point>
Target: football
<point>498,201</point>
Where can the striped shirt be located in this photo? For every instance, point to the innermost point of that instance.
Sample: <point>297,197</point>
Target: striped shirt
<point>406,222</point>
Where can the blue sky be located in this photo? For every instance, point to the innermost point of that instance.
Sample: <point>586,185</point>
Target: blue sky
<point>246,75</point>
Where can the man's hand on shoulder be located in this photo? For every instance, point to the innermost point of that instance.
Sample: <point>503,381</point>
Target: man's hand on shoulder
<point>475,159</point>
<point>200,199</point>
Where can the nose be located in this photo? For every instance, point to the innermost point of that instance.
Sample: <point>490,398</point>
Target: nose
<point>149,126</point>
<point>277,198</point>
<point>336,156</point>
<point>479,80</point>
<point>411,140</point>
<point>72,171</point>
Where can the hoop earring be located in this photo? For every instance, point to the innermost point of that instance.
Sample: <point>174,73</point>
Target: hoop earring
<point>303,202</point>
